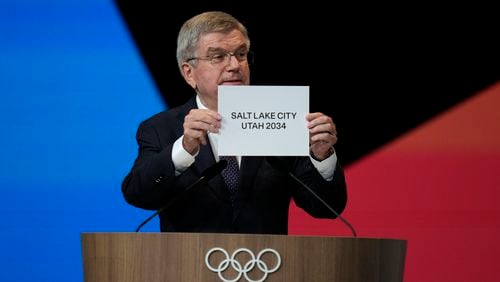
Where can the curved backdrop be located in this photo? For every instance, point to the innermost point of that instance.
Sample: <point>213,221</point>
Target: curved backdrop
<point>73,89</point>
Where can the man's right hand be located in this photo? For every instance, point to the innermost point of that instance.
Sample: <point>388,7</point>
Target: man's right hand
<point>196,126</point>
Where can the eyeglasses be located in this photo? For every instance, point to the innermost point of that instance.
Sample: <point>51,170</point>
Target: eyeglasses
<point>222,56</point>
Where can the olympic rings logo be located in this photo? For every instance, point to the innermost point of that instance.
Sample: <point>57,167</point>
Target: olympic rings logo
<point>246,268</point>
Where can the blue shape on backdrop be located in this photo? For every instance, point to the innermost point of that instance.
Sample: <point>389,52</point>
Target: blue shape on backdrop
<point>73,90</point>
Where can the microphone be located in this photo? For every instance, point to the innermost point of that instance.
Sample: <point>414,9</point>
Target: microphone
<point>278,164</point>
<point>206,175</point>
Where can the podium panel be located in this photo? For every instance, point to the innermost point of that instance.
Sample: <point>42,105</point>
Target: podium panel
<point>191,257</point>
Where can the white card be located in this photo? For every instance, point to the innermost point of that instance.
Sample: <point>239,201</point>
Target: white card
<point>263,120</point>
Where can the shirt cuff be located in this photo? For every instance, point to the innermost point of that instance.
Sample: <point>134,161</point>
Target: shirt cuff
<point>181,158</point>
<point>326,167</point>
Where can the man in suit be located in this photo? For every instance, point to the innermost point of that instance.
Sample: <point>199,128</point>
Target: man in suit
<point>177,145</point>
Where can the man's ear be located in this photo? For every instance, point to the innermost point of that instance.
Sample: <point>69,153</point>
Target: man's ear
<point>187,73</point>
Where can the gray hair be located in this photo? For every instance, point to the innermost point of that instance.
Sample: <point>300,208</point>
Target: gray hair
<point>208,22</point>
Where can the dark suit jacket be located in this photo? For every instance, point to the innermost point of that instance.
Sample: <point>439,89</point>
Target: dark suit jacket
<point>261,205</point>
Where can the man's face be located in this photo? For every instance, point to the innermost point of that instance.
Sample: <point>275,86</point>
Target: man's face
<point>221,60</point>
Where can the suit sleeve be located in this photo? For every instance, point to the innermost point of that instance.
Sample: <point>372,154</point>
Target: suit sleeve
<point>333,192</point>
<point>151,180</point>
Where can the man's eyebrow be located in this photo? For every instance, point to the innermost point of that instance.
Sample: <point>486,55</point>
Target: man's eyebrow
<point>219,49</point>
<point>215,48</point>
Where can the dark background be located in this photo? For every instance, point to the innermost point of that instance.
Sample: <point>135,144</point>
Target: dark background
<point>378,71</point>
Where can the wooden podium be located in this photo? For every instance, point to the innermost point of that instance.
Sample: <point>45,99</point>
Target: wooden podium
<point>192,257</point>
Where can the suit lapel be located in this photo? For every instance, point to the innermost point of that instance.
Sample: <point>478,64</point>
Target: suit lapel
<point>248,170</point>
<point>206,159</point>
